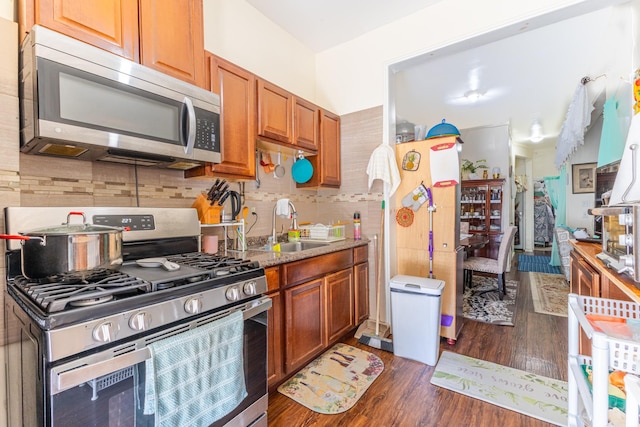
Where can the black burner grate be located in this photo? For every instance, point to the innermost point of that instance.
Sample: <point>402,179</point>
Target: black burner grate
<point>218,265</point>
<point>54,294</point>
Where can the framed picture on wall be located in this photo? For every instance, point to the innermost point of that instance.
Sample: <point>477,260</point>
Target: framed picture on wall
<point>583,177</point>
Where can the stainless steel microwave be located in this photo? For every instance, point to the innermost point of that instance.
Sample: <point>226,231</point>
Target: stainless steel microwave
<point>78,101</point>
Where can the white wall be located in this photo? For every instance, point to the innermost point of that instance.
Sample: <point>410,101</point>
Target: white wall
<point>578,204</point>
<point>236,31</point>
<point>350,77</point>
<point>7,10</point>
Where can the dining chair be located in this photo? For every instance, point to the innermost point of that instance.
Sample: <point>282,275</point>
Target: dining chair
<point>464,227</point>
<point>493,266</point>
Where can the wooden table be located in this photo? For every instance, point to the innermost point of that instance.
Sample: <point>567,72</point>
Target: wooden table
<point>476,241</point>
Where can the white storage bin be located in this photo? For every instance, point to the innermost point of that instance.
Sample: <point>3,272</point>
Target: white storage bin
<point>415,317</point>
<point>607,352</point>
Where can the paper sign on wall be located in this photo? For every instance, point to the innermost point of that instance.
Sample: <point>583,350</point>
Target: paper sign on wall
<point>445,168</point>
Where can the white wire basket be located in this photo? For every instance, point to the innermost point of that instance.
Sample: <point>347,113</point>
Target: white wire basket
<point>323,233</point>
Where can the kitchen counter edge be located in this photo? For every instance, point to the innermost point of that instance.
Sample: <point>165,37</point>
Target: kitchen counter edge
<point>270,259</point>
<point>589,252</point>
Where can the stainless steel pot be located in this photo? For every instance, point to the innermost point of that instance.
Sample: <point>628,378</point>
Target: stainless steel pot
<point>75,249</point>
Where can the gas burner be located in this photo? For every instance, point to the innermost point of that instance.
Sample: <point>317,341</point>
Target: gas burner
<point>54,296</point>
<point>71,278</point>
<point>91,301</point>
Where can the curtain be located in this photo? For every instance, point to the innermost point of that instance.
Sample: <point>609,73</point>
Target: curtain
<point>557,191</point>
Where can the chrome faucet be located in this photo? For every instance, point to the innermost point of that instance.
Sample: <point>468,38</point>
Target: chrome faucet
<point>294,215</point>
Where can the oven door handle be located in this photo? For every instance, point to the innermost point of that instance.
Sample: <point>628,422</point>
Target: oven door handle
<point>65,376</point>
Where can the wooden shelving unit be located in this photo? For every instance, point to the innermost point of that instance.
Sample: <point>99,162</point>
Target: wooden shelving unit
<point>481,207</point>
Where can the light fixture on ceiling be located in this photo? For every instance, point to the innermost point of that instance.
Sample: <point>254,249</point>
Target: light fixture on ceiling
<point>536,132</point>
<point>474,95</point>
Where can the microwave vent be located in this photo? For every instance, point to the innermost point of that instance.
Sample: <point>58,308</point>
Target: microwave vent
<point>63,150</point>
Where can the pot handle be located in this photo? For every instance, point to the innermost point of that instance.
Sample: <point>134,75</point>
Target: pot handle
<point>84,218</point>
<point>21,237</point>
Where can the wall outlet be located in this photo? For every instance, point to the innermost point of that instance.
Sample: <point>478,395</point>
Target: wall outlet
<point>252,210</point>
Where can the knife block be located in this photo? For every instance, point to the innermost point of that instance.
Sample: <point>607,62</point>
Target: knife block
<point>207,214</point>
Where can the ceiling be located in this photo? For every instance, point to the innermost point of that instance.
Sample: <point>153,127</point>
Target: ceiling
<point>320,25</point>
<point>528,77</point>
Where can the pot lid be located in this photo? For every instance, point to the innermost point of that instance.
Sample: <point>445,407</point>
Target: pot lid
<point>68,228</point>
<point>442,129</point>
<point>302,171</point>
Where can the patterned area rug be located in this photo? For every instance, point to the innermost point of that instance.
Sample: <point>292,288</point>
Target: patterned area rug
<point>549,293</point>
<point>487,307</point>
<point>533,395</point>
<point>335,381</point>
<point>539,263</point>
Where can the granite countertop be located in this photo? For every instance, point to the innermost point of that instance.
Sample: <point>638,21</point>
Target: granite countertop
<point>270,259</point>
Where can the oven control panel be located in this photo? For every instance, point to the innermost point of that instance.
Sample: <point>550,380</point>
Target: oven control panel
<point>131,222</point>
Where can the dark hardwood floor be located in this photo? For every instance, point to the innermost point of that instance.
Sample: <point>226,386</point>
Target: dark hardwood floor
<point>403,395</point>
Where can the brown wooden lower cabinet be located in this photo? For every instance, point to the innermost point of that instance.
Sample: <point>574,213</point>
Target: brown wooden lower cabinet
<point>585,280</point>
<point>305,323</point>
<point>316,301</point>
<point>361,285</point>
<point>340,309</point>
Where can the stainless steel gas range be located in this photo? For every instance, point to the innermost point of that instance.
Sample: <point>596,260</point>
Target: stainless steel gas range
<point>77,348</point>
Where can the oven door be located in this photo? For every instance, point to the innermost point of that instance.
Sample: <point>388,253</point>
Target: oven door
<point>107,389</point>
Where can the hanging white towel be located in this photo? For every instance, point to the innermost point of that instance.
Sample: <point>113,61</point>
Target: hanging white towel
<point>282,208</point>
<point>382,165</point>
<point>576,122</point>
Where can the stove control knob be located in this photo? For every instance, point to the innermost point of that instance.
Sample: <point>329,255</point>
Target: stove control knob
<point>232,293</point>
<point>193,305</point>
<point>105,332</point>
<point>140,321</point>
<point>249,288</point>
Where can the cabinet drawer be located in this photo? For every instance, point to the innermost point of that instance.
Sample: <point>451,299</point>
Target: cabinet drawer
<point>360,254</point>
<point>307,269</point>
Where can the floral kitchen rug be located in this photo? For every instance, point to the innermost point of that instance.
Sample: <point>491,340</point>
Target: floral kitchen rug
<point>550,293</point>
<point>488,308</point>
<point>529,394</point>
<point>335,381</point>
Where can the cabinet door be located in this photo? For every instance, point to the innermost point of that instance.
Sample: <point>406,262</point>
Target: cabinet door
<point>361,279</point>
<point>305,124</point>
<point>326,165</point>
<point>274,340</point>
<point>305,334</point>
<point>236,87</point>
<point>172,38</point>
<point>340,309</point>
<point>274,112</point>
<point>585,280</point>
<point>111,25</point>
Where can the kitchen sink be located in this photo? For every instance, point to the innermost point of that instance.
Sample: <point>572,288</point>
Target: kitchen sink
<point>300,246</point>
<point>293,247</point>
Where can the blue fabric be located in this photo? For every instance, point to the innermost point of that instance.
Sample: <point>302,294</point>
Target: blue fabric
<point>196,377</point>
<point>537,263</point>
<point>557,189</point>
<point>611,140</point>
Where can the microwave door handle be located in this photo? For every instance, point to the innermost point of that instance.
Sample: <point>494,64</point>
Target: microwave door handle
<point>188,125</point>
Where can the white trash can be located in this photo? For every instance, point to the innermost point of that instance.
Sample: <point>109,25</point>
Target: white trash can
<point>415,317</point>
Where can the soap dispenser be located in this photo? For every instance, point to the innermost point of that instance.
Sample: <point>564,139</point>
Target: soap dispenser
<point>294,231</point>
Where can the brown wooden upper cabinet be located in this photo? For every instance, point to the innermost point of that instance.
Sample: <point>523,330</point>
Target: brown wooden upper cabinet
<point>305,124</point>
<point>326,165</point>
<point>236,87</point>
<point>164,35</point>
<point>275,113</point>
